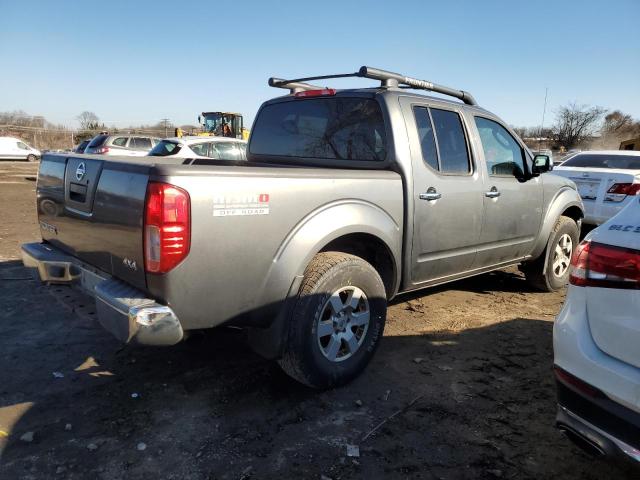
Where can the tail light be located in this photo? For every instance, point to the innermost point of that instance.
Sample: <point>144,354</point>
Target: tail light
<point>619,191</point>
<point>599,265</point>
<point>102,150</point>
<point>167,227</point>
<point>316,93</point>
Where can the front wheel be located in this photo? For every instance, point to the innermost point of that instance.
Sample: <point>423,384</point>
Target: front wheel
<point>557,257</point>
<point>31,158</point>
<point>337,322</point>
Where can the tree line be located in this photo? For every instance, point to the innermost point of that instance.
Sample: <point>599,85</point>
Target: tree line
<point>585,126</point>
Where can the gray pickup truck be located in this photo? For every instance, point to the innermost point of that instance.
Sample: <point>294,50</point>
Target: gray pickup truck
<point>348,198</point>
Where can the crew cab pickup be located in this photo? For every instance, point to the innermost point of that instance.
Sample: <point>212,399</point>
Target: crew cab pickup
<point>348,198</point>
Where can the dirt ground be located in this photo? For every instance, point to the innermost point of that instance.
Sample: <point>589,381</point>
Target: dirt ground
<point>461,387</point>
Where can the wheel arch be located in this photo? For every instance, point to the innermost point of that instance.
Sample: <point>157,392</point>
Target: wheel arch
<point>350,226</point>
<point>567,202</point>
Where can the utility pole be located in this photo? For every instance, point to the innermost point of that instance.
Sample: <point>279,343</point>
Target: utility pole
<point>165,121</point>
<point>544,110</point>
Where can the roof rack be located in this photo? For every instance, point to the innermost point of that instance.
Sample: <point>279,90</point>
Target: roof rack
<point>387,80</point>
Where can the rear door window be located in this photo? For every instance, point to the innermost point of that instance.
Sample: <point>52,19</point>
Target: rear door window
<point>120,142</point>
<point>227,151</point>
<point>442,140</point>
<point>321,128</point>
<point>140,143</point>
<point>427,139</point>
<point>201,149</point>
<point>452,143</point>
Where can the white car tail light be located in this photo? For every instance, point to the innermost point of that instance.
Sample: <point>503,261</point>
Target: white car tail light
<point>619,191</point>
<point>599,265</point>
<point>167,227</point>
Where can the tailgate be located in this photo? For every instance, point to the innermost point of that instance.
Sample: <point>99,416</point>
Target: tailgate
<point>93,209</point>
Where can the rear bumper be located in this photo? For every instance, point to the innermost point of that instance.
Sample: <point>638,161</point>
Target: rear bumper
<point>594,427</point>
<point>124,311</point>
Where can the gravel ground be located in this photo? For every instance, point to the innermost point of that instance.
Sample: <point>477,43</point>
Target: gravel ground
<point>461,387</point>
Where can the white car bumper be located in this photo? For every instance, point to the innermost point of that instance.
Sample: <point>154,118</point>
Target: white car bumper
<point>608,417</point>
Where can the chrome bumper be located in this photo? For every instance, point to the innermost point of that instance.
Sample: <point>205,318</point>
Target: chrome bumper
<point>596,439</point>
<point>122,310</point>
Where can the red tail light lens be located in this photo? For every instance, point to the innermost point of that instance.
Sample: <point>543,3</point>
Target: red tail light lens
<point>619,191</point>
<point>599,265</point>
<point>625,188</point>
<point>167,227</point>
<point>102,150</point>
<point>316,93</point>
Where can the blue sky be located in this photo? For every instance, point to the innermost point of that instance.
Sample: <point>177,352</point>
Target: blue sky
<point>137,62</point>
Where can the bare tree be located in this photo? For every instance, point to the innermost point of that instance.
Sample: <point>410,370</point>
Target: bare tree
<point>88,120</point>
<point>576,123</point>
<point>616,121</point>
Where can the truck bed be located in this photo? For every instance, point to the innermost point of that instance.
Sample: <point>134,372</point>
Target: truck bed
<point>243,222</point>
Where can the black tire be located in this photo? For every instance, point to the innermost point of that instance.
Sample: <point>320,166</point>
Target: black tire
<point>303,357</point>
<point>549,279</point>
<point>31,158</point>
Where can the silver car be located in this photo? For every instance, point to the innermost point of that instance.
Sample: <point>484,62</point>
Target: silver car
<point>125,145</point>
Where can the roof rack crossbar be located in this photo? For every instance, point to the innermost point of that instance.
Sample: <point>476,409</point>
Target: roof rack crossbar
<point>296,85</point>
<point>391,79</point>
<point>387,79</point>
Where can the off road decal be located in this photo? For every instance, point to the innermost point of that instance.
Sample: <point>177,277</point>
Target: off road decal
<point>233,205</point>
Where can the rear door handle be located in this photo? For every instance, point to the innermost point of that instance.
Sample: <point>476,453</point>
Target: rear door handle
<point>493,193</point>
<point>430,194</point>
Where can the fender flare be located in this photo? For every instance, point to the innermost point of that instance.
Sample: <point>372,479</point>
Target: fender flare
<point>564,199</point>
<point>319,228</point>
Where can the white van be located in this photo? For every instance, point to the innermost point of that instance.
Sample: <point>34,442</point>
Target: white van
<point>15,149</point>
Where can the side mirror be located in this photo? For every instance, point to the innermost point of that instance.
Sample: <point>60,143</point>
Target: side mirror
<point>542,164</point>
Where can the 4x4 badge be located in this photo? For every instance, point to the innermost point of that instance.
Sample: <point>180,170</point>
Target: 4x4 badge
<point>80,171</point>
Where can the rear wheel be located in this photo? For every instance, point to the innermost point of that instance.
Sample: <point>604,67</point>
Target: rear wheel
<point>557,257</point>
<point>31,158</point>
<point>337,322</point>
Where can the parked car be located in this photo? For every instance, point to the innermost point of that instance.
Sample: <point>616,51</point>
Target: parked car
<point>81,147</point>
<point>15,149</point>
<point>596,338</point>
<point>127,145</point>
<point>217,148</point>
<point>607,180</point>
<point>347,198</point>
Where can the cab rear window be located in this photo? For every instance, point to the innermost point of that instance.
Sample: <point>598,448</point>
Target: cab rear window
<point>321,128</point>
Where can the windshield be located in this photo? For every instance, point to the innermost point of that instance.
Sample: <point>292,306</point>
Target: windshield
<point>212,122</point>
<point>165,148</point>
<point>322,128</point>
<point>625,162</point>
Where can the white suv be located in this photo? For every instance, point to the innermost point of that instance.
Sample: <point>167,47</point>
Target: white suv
<point>596,341</point>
